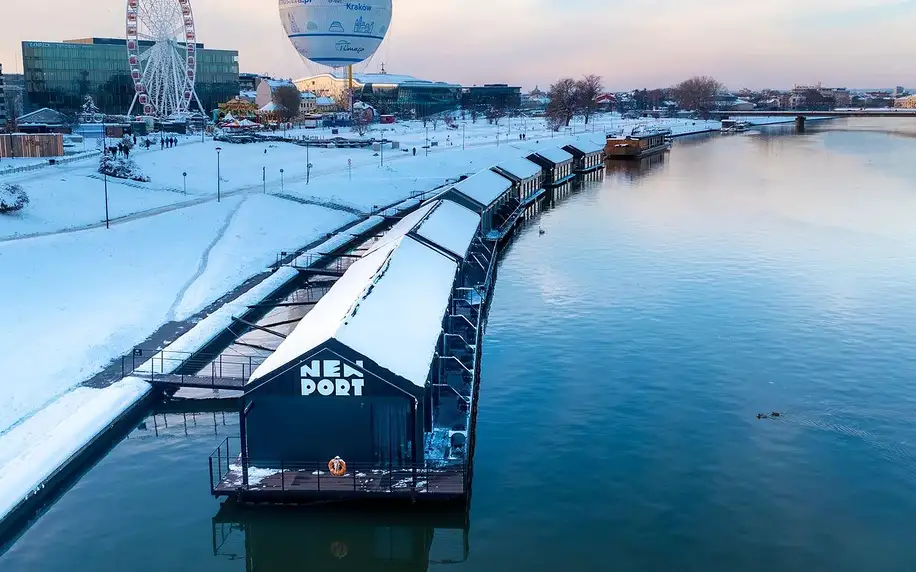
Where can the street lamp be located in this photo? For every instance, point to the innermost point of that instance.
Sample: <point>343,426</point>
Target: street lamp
<point>427,140</point>
<point>218,184</point>
<point>185,175</point>
<point>463,128</point>
<point>281,180</point>
<point>264,179</point>
<point>105,178</point>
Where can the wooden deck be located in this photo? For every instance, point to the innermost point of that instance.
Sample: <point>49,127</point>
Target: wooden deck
<point>292,485</point>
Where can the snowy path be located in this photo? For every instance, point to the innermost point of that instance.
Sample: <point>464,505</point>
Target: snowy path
<point>202,267</point>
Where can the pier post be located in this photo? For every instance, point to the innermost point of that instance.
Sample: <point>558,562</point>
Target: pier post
<point>800,124</point>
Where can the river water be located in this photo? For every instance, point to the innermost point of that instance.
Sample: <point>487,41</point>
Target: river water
<point>628,351</point>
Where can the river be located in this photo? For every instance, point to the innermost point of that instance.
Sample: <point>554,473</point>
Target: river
<point>629,349</point>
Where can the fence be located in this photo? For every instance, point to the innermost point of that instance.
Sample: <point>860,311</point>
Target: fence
<point>46,163</point>
<point>190,369</point>
<point>227,467</point>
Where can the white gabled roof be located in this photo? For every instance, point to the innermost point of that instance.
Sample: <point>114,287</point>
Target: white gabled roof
<point>555,155</point>
<point>450,226</point>
<point>520,167</point>
<point>588,144</point>
<point>403,226</point>
<point>388,306</point>
<point>484,187</point>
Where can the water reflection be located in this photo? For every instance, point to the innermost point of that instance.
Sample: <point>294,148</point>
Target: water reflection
<point>635,168</point>
<point>281,539</point>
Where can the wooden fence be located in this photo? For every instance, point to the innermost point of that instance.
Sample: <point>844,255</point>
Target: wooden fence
<point>31,145</point>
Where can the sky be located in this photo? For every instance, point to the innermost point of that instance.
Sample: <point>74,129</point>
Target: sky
<point>631,44</point>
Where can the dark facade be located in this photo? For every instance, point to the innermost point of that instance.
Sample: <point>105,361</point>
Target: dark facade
<point>325,403</point>
<point>411,99</point>
<point>60,75</point>
<point>2,100</point>
<point>557,170</point>
<point>491,96</point>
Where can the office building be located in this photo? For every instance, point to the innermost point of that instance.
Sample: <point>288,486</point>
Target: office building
<point>59,75</point>
<point>491,96</point>
<point>389,94</point>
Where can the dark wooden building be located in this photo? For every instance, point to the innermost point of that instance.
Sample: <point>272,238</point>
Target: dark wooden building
<point>353,380</point>
<point>588,154</point>
<point>557,165</point>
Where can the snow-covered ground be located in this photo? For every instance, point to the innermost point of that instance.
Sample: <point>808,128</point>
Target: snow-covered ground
<point>77,300</point>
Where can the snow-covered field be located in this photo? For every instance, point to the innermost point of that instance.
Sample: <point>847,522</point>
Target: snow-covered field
<point>77,300</point>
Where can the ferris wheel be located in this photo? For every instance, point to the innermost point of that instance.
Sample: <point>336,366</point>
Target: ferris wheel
<point>162,53</point>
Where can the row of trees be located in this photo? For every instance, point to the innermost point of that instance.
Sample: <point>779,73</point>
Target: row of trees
<point>570,97</point>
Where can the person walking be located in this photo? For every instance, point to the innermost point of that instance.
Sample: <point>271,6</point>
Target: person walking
<point>414,151</point>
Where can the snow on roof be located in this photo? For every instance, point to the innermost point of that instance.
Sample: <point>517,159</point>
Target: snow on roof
<point>388,306</point>
<point>450,226</point>
<point>555,155</point>
<point>520,168</point>
<point>275,83</point>
<point>324,101</point>
<point>484,187</point>
<point>270,107</point>
<point>383,78</point>
<point>307,95</point>
<point>403,226</point>
<point>587,144</point>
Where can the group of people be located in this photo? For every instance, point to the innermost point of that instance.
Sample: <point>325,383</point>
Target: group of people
<point>168,142</point>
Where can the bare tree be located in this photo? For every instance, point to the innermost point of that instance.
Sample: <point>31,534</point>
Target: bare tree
<point>361,120</point>
<point>587,91</point>
<point>435,121</point>
<point>288,99</point>
<point>698,93</point>
<point>563,101</point>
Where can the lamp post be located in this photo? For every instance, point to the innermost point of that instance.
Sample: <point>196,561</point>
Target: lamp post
<point>105,178</point>
<point>281,180</point>
<point>264,179</point>
<point>427,140</point>
<point>218,179</point>
<point>463,129</point>
<point>185,175</point>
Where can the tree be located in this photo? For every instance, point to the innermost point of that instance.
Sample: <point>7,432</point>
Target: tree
<point>496,112</point>
<point>344,98</point>
<point>288,99</point>
<point>698,93</point>
<point>89,110</point>
<point>587,91</point>
<point>361,119</point>
<point>564,98</point>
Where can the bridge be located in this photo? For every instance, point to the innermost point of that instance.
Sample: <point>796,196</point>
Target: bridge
<point>801,115</point>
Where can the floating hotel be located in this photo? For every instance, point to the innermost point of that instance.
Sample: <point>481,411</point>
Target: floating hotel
<point>372,395</point>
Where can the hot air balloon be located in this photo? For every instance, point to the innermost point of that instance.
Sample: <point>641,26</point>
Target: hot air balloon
<point>336,33</point>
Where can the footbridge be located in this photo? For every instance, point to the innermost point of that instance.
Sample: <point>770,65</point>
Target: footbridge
<point>801,115</point>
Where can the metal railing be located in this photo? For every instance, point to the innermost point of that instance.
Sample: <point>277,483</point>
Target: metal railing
<point>227,476</point>
<point>190,369</point>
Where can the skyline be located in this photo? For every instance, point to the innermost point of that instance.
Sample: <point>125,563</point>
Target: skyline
<point>777,45</point>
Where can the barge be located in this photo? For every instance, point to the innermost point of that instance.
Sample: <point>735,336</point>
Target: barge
<point>636,145</point>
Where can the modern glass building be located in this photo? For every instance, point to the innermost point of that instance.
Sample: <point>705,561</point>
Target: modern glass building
<point>60,75</point>
<point>410,98</point>
<point>498,95</point>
